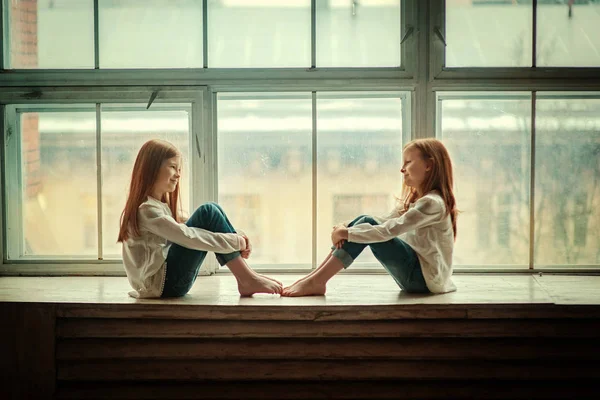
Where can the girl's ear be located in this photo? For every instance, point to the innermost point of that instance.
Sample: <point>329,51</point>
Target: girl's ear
<point>428,164</point>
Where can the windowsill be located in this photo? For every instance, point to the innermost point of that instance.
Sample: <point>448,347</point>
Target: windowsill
<point>343,290</point>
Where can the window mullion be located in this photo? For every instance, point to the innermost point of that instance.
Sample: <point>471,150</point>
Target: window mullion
<point>205,33</point>
<point>313,33</point>
<point>532,182</point>
<point>96,35</point>
<point>314,179</point>
<point>99,180</point>
<point>534,35</point>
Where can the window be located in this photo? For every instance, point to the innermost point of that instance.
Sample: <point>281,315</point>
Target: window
<point>488,34</point>
<point>358,34</point>
<point>50,33</point>
<point>265,151</point>
<point>259,33</point>
<point>53,197</point>
<point>293,115</point>
<point>488,137</point>
<point>567,184</point>
<point>143,34</point>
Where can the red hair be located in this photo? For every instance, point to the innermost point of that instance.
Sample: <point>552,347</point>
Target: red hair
<point>145,172</point>
<point>440,178</point>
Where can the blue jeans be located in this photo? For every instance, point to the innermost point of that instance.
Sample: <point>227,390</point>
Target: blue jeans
<point>183,263</point>
<point>397,257</point>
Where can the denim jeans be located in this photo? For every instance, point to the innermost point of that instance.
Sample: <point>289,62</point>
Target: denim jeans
<point>183,263</point>
<point>397,257</point>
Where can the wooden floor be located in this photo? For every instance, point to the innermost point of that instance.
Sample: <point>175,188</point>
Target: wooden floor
<point>498,336</point>
<point>343,290</point>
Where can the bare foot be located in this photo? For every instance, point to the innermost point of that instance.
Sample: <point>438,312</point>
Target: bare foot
<point>304,287</point>
<point>259,284</point>
<point>271,279</point>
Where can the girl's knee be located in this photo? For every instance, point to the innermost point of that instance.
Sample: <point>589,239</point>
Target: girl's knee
<point>210,208</point>
<point>367,219</point>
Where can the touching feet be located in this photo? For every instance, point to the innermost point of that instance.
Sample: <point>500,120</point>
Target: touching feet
<point>305,287</point>
<point>259,284</point>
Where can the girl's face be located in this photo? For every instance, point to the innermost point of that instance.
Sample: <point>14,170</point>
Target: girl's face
<point>168,176</point>
<point>414,168</point>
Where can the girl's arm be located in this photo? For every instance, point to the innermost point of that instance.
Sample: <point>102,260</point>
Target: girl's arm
<point>156,221</point>
<point>427,211</point>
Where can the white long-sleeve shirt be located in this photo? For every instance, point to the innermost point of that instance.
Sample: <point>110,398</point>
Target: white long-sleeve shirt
<point>144,256</point>
<point>427,228</point>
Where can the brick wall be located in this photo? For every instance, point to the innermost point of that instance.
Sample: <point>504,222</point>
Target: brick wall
<point>24,54</point>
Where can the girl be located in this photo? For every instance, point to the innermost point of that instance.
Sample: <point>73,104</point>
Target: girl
<point>413,243</point>
<point>161,254</point>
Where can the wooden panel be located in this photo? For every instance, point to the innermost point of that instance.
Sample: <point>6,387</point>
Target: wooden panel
<point>401,389</point>
<point>27,342</point>
<point>340,348</point>
<point>329,313</point>
<point>397,328</point>
<point>104,370</point>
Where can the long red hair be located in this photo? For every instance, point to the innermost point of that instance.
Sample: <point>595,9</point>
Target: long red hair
<point>440,178</point>
<point>145,172</point>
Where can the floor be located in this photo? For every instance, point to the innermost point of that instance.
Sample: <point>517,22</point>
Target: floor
<point>342,290</point>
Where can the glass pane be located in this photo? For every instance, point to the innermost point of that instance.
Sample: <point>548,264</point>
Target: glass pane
<point>124,130</point>
<point>567,180</point>
<point>568,34</point>
<point>488,137</point>
<point>358,34</point>
<point>258,33</point>
<point>159,34</point>
<point>58,173</point>
<point>265,174</point>
<point>488,34</point>
<point>359,159</point>
<point>50,33</point>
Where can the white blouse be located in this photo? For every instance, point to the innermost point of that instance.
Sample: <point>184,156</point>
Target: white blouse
<point>427,228</point>
<point>144,256</point>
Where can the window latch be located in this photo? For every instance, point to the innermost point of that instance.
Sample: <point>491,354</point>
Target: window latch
<point>152,98</point>
<point>407,34</point>
<point>438,33</point>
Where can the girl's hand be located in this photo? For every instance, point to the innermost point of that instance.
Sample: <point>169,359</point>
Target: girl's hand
<point>339,244</point>
<point>338,235</point>
<point>248,250</point>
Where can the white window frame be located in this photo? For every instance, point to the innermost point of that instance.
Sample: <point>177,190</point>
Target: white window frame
<point>200,150</point>
<point>422,73</point>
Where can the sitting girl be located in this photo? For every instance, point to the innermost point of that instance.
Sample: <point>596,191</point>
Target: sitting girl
<point>161,253</point>
<point>414,243</point>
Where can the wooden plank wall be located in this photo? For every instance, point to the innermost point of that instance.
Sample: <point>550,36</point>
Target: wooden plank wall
<point>417,352</point>
<point>366,354</point>
<point>27,350</point>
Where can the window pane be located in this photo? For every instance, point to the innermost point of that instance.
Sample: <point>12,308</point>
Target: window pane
<point>162,34</point>
<point>488,138</point>
<point>358,34</point>
<point>359,160</point>
<point>567,186</point>
<point>265,173</point>
<point>568,35</point>
<point>258,33</point>
<point>58,174</point>
<point>494,34</point>
<point>124,130</point>
<point>50,33</point>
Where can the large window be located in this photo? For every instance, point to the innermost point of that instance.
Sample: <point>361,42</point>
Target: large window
<point>500,33</point>
<point>488,136</point>
<point>293,115</point>
<point>172,34</point>
<point>271,178</point>
<point>54,188</point>
<point>567,179</point>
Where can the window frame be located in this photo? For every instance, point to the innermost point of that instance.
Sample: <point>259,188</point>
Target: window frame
<point>423,74</point>
<point>107,95</point>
